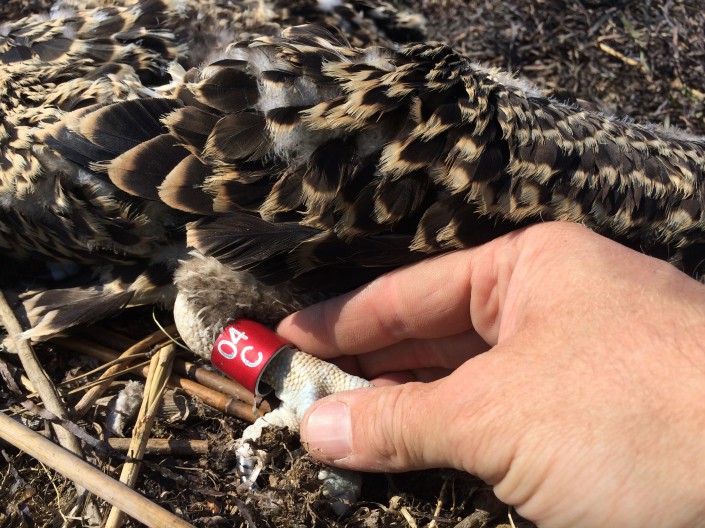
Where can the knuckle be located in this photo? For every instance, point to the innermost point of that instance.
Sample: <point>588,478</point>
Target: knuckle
<point>394,435</point>
<point>391,315</point>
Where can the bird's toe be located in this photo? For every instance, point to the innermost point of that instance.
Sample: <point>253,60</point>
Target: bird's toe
<point>341,487</point>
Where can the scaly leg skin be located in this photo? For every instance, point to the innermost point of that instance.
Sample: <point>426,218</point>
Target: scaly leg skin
<point>211,295</point>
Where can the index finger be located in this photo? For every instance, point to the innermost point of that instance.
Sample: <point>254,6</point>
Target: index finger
<point>429,299</point>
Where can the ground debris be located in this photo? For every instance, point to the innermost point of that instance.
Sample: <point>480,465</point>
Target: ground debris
<point>204,487</point>
<point>644,60</point>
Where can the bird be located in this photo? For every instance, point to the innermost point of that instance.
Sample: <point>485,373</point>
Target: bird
<point>257,169</point>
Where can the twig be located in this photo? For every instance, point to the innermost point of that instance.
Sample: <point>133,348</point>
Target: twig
<point>41,382</point>
<point>110,339</point>
<point>123,362</point>
<point>58,495</point>
<point>7,373</point>
<point>697,94</point>
<point>168,331</point>
<point>86,386</point>
<point>77,470</point>
<point>511,520</point>
<point>89,385</point>
<point>217,400</point>
<point>407,516</point>
<point>218,383</point>
<point>621,56</point>
<point>161,446</point>
<point>159,371</point>
<point>439,504</point>
<point>96,392</point>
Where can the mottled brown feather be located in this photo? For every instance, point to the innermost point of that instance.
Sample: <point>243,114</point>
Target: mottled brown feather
<point>304,159</point>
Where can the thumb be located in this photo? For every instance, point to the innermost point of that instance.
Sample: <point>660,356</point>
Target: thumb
<point>394,428</point>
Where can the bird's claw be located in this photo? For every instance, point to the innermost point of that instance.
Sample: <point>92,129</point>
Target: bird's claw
<point>341,487</point>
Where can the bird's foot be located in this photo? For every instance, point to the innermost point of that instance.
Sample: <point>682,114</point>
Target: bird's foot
<point>340,487</point>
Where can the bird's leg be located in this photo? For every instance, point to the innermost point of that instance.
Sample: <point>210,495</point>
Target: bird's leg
<point>210,296</point>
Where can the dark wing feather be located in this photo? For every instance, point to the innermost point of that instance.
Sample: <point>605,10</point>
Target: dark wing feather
<point>243,241</point>
<point>120,127</point>
<point>141,170</point>
<point>240,136</point>
<point>52,311</point>
<point>182,188</point>
<point>229,90</point>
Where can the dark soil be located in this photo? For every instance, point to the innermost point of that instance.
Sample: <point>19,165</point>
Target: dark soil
<point>643,59</point>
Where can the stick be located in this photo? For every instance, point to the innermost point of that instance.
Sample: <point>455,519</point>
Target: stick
<point>439,504</point>
<point>218,383</point>
<point>217,400</point>
<point>41,382</point>
<point>159,371</point>
<point>621,56</point>
<point>162,446</point>
<point>73,468</point>
<point>408,517</point>
<point>96,392</point>
<point>110,339</point>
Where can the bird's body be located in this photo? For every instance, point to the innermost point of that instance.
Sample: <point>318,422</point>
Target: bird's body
<point>309,163</point>
<point>57,210</point>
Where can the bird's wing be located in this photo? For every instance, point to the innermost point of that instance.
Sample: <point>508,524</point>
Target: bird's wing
<point>308,161</point>
<point>353,159</point>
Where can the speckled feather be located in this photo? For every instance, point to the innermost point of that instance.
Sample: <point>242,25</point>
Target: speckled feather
<point>307,162</point>
<point>374,158</point>
<point>57,211</point>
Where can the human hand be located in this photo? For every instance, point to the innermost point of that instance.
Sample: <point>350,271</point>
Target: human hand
<point>562,368</point>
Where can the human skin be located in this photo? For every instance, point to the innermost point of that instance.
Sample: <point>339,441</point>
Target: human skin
<point>560,367</point>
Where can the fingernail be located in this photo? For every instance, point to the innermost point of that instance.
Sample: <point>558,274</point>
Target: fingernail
<point>328,431</point>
